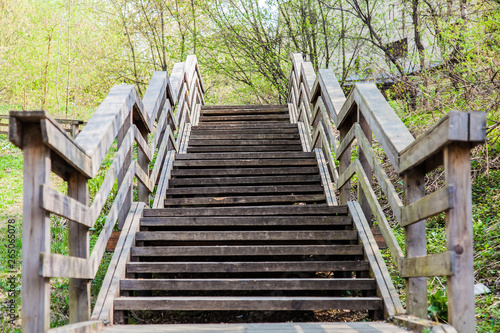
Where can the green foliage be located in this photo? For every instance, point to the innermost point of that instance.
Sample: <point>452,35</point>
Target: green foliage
<point>438,307</point>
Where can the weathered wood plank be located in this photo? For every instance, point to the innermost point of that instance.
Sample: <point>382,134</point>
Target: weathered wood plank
<point>245,162</point>
<point>387,127</point>
<point>440,264</point>
<point>432,204</point>
<point>82,327</point>
<point>142,144</point>
<point>246,221</point>
<point>113,171</point>
<point>243,200</point>
<point>250,250</point>
<point>385,228</point>
<point>144,178</point>
<point>247,303</point>
<point>61,143</point>
<point>61,266</point>
<point>247,180</point>
<point>243,136</point>
<point>386,288</point>
<point>459,237</point>
<point>249,284</point>
<point>246,211</point>
<point>452,127</point>
<point>110,288</point>
<point>111,218</point>
<point>265,189</point>
<point>204,149</point>
<point>383,180</point>
<point>98,135</point>
<point>325,178</point>
<point>78,246</point>
<point>36,231</point>
<point>164,180</point>
<point>304,137</point>
<point>219,142</point>
<point>244,155</point>
<point>64,206</point>
<point>248,266</point>
<point>245,235</point>
<point>155,95</point>
<point>331,93</point>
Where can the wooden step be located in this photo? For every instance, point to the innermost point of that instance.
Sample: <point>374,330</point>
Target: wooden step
<point>244,200</point>
<point>244,126</point>
<point>245,163</point>
<point>245,118</point>
<point>197,130</point>
<point>243,156</point>
<point>223,112</point>
<point>326,220</point>
<point>236,190</point>
<point>247,267</point>
<point>246,180</point>
<point>249,284</point>
<point>257,148</point>
<point>243,107</point>
<point>248,211</point>
<point>246,235</point>
<point>262,142</point>
<point>247,303</point>
<point>244,136</point>
<point>246,250</point>
<point>298,170</point>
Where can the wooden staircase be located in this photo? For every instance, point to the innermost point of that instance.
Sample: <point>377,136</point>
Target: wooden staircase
<point>246,227</point>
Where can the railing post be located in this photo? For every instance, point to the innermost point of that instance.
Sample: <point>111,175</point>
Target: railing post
<point>459,237</point>
<point>415,245</point>
<point>143,163</point>
<point>79,242</point>
<point>345,161</point>
<point>363,202</point>
<point>36,231</point>
<point>128,160</point>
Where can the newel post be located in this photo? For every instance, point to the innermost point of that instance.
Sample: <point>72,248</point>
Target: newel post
<point>459,238</point>
<point>35,293</point>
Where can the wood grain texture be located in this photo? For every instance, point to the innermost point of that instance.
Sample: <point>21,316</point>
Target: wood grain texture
<point>64,206</point>
<point>440,264</point>
<point>36,231</point>
<point>429,205</point>
<point>459,238</point>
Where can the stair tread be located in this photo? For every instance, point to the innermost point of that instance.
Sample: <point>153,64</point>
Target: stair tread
<point>268,189</point>
<point>252,148</point>
<point>246,221</point>
<point>249,284</point>
<point>246,180</point>
<point>247,250</point>
<point>247,303</point>
<point>246,235</point>
<point>298,170</point>
<point>228,200</point>
<point>251,210</point>
<point>245,156</point>
<point>245,266</point>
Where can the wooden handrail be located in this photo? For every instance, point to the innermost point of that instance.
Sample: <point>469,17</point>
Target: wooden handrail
<point>365,113</point>
<point>125,117</point>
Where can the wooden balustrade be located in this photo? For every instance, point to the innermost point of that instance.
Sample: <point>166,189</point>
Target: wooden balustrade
<point>319,106</point>
<point>151,123</point>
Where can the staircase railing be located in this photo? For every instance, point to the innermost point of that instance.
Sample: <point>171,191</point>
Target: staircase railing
<point>151,124</point>
<point>318,104</point>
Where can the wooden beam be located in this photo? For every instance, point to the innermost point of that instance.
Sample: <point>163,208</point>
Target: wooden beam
<point>331,93</point>
<point>432,204</point>
<point>144,178</point>
<point>386,288</point>
<point>155,95</point>
<point>35,293</point>
<point>325,178</point>
<point>163,181</point>
<point>440,264</point>
<point>142,144</point>
<point>113,171</point>
<point>387,127</point>
<point>459,238</point>
<point>454,126</point>
<point>83,327</point>
<point>304,138</point>
<point>110,289</point>
<point>79,246</point>
<point>97,137</point>
<point>64,206</point>
<point>61,266</point>
<point>382,178</point>
<point>116,207</point>
<point>63,145</point>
